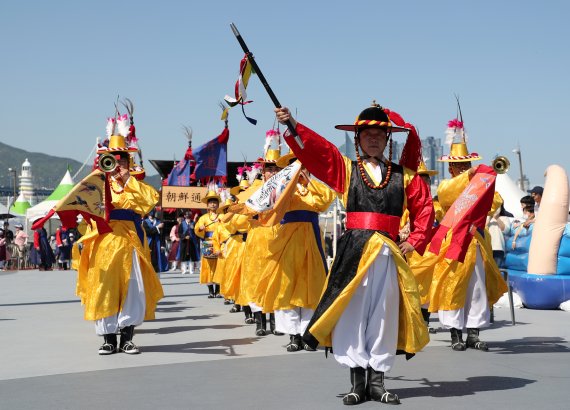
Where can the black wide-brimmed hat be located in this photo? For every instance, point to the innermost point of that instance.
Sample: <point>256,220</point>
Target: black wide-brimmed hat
<point>373,116</point>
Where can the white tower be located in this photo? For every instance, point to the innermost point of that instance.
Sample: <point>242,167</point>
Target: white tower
<point>26,185</point>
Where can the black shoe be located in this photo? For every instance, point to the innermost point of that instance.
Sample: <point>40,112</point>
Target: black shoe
<point>457,343</point>
<point>375,389</point>
<point>357,394</point>
<point>211,293</point>
<point>227,302</point>
<point>473,341</point>
<point>235,309</point>
<point>217,291</point>
<point>130,348</point>
<point>109,346</point>
<point>249,319</point>
<point>295,343</point>
<point>127,345</point>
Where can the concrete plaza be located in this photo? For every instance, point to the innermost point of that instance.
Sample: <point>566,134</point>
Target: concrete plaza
<point>197,355</point>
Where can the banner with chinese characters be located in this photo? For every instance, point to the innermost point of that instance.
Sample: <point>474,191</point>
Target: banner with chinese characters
<point>183,197</point>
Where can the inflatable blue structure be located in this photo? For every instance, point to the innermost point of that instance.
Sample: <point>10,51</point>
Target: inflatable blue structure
<point>538,291</point>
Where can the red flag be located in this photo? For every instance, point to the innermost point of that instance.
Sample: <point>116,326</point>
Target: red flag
<point>468,213</point>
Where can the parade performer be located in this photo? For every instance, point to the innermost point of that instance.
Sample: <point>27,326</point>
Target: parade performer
<point>462,292</point>
<point>238,228</point>
<point>255,255</point>
<point>174,253</point>
<point>153,228</point>
<point>63,247</point>
<point>189,244</point>
<point>293,279</point>
<point>370,308</point>
<point>42,254</point>
<point>116,280</point>
<point>219,244</point>
<point>204,229</point>
<point>422,266</point>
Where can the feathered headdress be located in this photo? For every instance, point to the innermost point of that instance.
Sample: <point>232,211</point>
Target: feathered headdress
<point>456,138</point>
<point>273,135</point>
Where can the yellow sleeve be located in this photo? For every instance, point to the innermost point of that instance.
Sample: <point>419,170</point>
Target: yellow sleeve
<point>497,202</point>
<point>200,222</point>
<point>136,196</point>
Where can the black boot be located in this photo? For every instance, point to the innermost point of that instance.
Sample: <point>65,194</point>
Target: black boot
<point>217,291</point>
<point>425,315</point>
<point>357,394</point>
<point>109,346</point>
<point>272,325</point>
<point>295,343</point>
<point>457,343</point>
<point>261,324</point>
<point>473,341</point>
<point>249,320</point>
<point>127,344</point>
<point>375,389</point>
<point>211,293</point>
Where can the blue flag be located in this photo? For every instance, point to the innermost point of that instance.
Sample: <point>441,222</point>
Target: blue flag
<point>180,174</point>
<point>211,158</point>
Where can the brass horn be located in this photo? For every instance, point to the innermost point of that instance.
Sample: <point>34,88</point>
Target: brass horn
<point>501,164</point>
<point>107,162</point>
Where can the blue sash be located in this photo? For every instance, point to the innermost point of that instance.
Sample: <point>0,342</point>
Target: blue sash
<point>313,218</point>
<point>128,215</point>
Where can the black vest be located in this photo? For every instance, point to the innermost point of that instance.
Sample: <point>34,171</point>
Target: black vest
<point>389,200</point>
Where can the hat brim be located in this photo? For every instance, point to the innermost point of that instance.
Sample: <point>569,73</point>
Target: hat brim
<point>468,158</point>
<point>285,160</point>
<point>208,197</point>
<point>236,190</point>
<point>355,128</point>
<point>431,173</point>
<point>106,150</point>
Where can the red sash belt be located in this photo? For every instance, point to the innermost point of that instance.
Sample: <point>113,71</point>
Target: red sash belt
<point>374,221</point>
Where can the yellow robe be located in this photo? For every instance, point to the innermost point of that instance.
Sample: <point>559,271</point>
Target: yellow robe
<point>219,240</point>
<point>105,263</point>
<point>294,275</point>
<point>234,255</point>
<point>412,332</point>
<point>448,289</point>
<point>209,221</point>
<point>254,259</point>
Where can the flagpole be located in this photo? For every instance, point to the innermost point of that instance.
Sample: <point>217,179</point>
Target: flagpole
<point>257,71</point>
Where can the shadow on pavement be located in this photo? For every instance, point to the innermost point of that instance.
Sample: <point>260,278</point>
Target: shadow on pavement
<point>178,329</point>
<point>531,345</point>
<point>55,302</point>
<point>221,347</point>
<point>468,387</point>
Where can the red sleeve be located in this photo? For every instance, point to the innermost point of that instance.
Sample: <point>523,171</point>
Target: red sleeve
<point>36,239</point>
<point>422,214</point>
<point>320,157</point>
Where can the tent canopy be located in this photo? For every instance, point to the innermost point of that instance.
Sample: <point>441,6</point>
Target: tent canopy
<point>40,210</point>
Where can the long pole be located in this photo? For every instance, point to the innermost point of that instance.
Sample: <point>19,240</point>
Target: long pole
<point>521,170</point>
<point>257,71</point>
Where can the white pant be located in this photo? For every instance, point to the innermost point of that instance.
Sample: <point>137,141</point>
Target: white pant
<point>254,307</point>
<point>293,321</point>
<point>133,308</point>
<point>476,312</point>
<point>367,331</point>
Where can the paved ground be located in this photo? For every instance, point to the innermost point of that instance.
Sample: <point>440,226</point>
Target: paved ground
<point>196,355</point>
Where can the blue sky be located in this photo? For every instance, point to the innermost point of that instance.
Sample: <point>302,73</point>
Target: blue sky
<point>64,63</point>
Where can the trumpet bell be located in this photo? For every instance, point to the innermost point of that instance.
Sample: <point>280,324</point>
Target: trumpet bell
<point>501,164</point>
<point>107,162</point>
